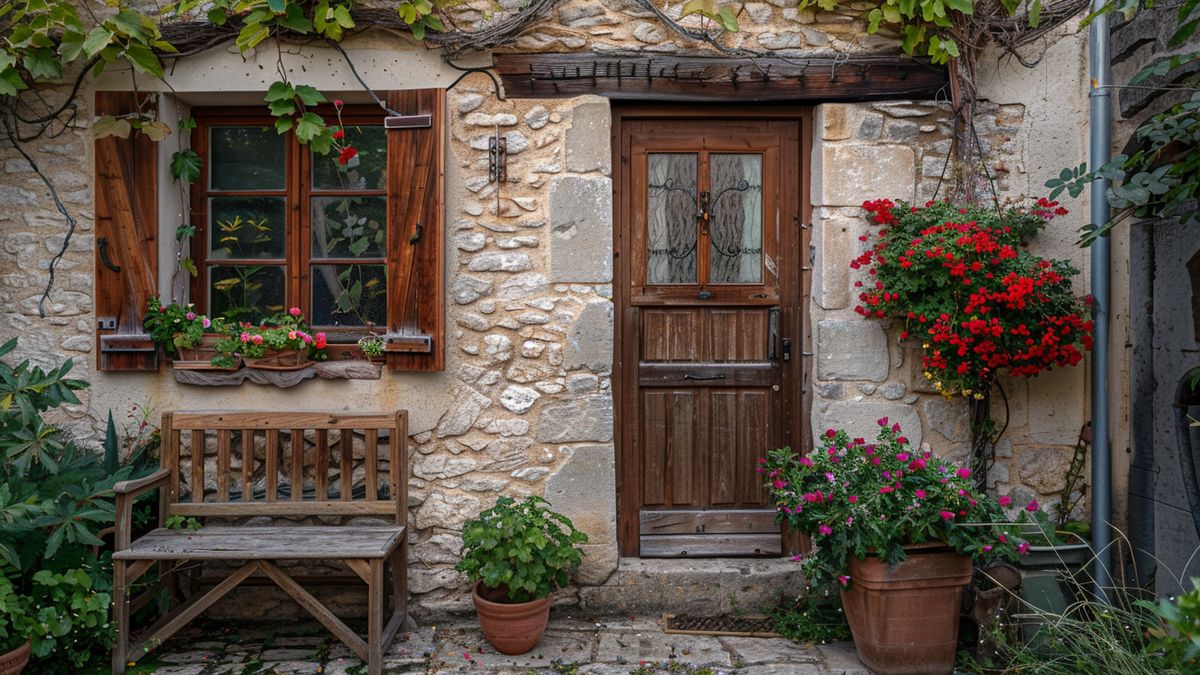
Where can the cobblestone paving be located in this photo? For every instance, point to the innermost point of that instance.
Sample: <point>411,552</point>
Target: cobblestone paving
<point>626,646</point>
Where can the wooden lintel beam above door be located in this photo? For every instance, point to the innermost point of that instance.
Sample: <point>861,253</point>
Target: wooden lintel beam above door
<point>662,77</point>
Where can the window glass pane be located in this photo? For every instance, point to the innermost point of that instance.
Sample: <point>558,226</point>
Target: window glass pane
<point>671,218</point>
<point>246,158</point>
<point>349,227</point>
<point>735,219</point>
<point>246,292</point>
<point>349,295</point>
<point>366,170</point>
<point>246,227</point>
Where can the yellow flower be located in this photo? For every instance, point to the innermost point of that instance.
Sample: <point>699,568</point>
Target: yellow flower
<point>979,396</point>
<point>928,375</point>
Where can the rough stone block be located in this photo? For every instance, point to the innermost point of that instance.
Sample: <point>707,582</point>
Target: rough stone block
<point>859,419</point>
<point>852,173</point>
<point>855,349</point>
<point>581,229</point>
<point>590,340</point>
<point>587,139</point>
<point>1056,409</point>
<point>585,419</point>
<point>834,121</point>
<point>584,489</point>
<point>949,417</point>
<point>831,273</point>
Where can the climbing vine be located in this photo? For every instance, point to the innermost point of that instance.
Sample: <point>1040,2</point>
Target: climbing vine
<point>47,41</point>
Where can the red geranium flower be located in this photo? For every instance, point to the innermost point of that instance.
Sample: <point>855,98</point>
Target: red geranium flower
<point>347,153</point>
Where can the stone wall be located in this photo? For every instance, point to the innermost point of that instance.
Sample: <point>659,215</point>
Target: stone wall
<point>525,405</point>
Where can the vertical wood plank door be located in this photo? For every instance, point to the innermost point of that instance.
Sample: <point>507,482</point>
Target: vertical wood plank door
<point>709,256</point>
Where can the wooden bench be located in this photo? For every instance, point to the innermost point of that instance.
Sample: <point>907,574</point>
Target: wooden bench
<point>276,465</point>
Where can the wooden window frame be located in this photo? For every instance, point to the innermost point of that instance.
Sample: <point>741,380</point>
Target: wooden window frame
<point>297,192</point>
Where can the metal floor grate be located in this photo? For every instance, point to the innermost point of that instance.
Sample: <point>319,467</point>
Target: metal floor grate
<point>746,625</point>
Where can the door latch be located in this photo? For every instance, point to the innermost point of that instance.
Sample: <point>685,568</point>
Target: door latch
<point>787,349</point>
<point>702,217</point>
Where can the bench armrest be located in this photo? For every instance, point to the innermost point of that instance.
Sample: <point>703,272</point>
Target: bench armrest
<point>136,487</point>
<point>128,490</point>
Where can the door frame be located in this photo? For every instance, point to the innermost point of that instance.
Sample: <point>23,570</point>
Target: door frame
<point>794,300</point>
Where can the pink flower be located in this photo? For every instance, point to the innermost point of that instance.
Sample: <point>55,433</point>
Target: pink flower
<point>1023,548</point>
<point>245,337</point>
<point>811,498</point>
<point>291,335</point>
<point>257,339</point>
<point>902,456</point>
<point>779,483</point>
<point>338,103</point>
<point>1005,501</point>
<point>853,499</point>
<point>882,421</point>
<point>205,322</point>
<point>825,529</point>
<point>830,433</point>
<point>804,461</point>
<point>946,515</point>
<point>1031,506</point>
<point>844,579</point>
<point>849,520</point>
<point>963,473</point>
<point>830,477</point>
<point>886,489</point>
<point>191,316</point>
<point>921,494</point>
<point>902,439</point>
<point>987,548</point>
<point>896,427</point>
<point>875,461</point>
<point>295,311</point>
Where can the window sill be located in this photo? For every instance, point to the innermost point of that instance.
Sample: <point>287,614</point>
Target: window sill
<point>328,370</point>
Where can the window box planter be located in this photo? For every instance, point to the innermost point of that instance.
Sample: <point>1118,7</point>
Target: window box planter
<point>12,663</point>
<point>279,359</point>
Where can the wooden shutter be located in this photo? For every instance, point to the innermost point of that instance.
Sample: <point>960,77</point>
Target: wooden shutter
<point>416,202</point>
<point>126,267</point>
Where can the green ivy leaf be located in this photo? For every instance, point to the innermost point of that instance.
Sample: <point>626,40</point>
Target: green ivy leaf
<point>185,166</point>
<point>280,91</point>
<point>188,265</point>
<point>283,125</point>
<point>97,39</point>
<point>309,95</point>
<point>282,108</point>
<point>250,35</point>
<point>111,126</point>
<point>309,127</point>
<point>295,20</point>
<point>42,64</point>
<point>144,59</point>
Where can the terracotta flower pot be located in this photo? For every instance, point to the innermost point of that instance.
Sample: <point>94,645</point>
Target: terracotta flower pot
<point>205,350</point>
<point>512,628</point>
<point>14,662</point>
<point>904,617</point>
<point>279,359</point>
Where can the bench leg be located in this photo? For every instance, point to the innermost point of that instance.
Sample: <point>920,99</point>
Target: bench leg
<point>375,619</point>
<point>399,563</point>
<point>120,598</point>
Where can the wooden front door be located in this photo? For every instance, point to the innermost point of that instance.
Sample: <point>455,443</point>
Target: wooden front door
<point>709,255</point>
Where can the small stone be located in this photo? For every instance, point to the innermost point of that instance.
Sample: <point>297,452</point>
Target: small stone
<point>519,399</point>
<point>911,399</point>
<point>500,262</point>
<point>649,33</point>
<point>537,117</point>
<point>484,120</point>
<point>531,349</point>
<point>833,390</point>
<point>533,318</point>
<point>892,390</point>
<point>497,348</point>
<point>508,427</point>
<point>867,388</point>
<point>470,241</point>
<point>469,102</point>
<point>786,40</point>
<point>531,474</point>
<point>466,290</point>
<point>584,383</point>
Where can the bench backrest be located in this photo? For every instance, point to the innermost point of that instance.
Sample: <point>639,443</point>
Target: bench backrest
<point>250,464</point>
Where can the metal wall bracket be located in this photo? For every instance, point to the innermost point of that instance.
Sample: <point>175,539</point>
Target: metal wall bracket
<point>497,159</point>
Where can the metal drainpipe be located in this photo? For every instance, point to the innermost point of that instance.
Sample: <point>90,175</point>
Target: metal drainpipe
<point>1100,129</point>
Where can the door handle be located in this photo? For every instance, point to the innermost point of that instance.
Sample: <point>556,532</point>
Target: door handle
<point>773,334</point>
<point>718,376</point>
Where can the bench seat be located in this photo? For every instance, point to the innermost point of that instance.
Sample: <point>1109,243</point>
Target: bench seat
<point>266,543</point>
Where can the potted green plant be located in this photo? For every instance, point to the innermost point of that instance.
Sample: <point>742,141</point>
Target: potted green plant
<point>55,498</point>
<point>896,531</point>
<point>283,341</point>
<point>516,554</point>
<point>187,337</point>
<point>372,348</point>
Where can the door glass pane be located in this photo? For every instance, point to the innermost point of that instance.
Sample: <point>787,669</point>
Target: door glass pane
<point>366,170</point>
<point>349,295</point>
<point>246,227</point>
<point>735,219</point>
<point>246,158</point>
<point>671,218</point>
<point>349,227</point>
<point>246,292</point>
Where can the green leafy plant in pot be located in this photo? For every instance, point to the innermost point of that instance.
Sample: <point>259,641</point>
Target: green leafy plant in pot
<point>517,554</point>
<point>895,530</point>
<point>55,498</point>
